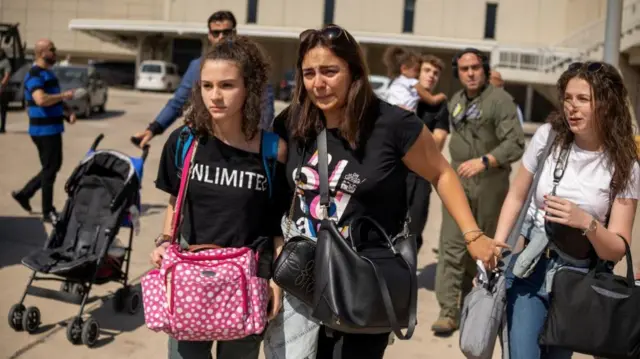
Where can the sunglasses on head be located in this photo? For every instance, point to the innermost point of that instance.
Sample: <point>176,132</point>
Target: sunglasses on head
<point>224,32</point>
<point>329,32</point>
<point>586,66</point>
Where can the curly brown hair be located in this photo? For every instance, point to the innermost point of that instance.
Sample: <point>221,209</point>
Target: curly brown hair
<point>612,118</point>
<point>254,67</point>
<point>396,56</point>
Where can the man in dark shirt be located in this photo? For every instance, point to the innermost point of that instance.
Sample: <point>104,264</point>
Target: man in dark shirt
<point>46,110</point>
<point>436,118</point>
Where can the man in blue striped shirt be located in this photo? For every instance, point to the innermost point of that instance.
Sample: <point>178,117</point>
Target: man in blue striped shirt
<point>46,110</point>
<point>221,24</point>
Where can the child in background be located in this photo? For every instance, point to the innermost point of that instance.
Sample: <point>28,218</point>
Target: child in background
<point>405,91</point>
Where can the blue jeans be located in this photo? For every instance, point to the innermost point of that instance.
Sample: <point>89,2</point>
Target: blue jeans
<point>527,305</point>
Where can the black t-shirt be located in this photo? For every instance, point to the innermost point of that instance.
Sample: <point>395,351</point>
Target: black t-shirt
<point>434,116</point>
<point>228,200</point>
<point>371,183</point>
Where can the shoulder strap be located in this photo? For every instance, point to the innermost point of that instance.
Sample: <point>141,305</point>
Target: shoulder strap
<point>515,230</point>
<point>182,192</point>
<point>185,139</point>
<point>269,143</point>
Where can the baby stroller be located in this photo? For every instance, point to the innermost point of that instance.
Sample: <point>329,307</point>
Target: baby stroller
<point>104,195</point>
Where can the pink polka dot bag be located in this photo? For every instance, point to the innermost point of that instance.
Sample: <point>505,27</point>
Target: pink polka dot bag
<point>210,294</point>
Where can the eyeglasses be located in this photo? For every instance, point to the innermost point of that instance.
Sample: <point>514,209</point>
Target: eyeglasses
<point>224,32</point>
<point>329,32</point>
<point>586,66</point>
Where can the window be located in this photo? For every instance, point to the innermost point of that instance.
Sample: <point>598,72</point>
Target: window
<point>407,21</point>
<point>328,11</point>
<point>252,11</point>
<point>490,21</point>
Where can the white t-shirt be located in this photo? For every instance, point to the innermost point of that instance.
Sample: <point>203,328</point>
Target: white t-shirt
<point>402,92</point>
<point>585,182</point>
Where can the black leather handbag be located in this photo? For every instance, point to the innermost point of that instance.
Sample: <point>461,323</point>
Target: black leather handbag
<point>595,313</point>
<point>294,267</point>
<point>367,283</point>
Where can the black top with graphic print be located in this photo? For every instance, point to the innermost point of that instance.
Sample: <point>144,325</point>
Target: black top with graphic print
<point>228,200</point>
<point>371,183</point>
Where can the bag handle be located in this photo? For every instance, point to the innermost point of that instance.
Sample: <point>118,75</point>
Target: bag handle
<point>517,227</point>
<point>323,169</point>
<point>182,192</point>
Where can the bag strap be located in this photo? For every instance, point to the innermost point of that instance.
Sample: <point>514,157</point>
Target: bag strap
<point>182,192</point>
<point>517,227</point>
<point>323,169</point>
<point>269,144</point>
<point>185,139</point>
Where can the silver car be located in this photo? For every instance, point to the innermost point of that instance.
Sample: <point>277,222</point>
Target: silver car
<point>83,77</point>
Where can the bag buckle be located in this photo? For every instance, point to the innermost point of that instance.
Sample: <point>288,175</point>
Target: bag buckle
<point>324,212</point>
<point>547,252</point>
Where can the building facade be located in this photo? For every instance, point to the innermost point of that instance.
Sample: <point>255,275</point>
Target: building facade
<point>529,41</point>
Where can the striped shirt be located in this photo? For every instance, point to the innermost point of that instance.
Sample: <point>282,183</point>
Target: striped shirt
<point>43,120</point>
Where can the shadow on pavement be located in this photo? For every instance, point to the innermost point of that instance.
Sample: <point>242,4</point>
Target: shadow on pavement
<point>148,209</point>
<point>20,236</point>
<point>108,114</point>
<point>427,277</point>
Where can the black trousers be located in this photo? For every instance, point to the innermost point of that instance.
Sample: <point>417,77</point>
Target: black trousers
<point>418,194</point>
<point>351,346</point>
<point>50,153</point>
<point>4,105</point>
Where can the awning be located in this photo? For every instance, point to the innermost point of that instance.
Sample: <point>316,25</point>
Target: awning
<point>126,28</point>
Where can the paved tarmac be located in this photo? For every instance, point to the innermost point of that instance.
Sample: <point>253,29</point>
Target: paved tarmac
<point>122,335</point>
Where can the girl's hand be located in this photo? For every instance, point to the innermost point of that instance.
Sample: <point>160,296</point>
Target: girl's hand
<point>158,254</point>
<point>275,297</point>
<point>487,250</point>
<point>560,210</point>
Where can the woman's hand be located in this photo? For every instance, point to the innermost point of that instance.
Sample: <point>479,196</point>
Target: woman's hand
<point>158,254</point>
<point>563,211</point>
<point>487,250</point>
<point>275,297</point>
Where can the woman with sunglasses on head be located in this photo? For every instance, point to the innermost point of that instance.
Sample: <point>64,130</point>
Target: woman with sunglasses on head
<point>572,220</point>
<point>228,202</point>
<point>372,146</point>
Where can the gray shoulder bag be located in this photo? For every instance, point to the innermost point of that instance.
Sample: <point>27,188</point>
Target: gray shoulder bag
<point>484,307</point>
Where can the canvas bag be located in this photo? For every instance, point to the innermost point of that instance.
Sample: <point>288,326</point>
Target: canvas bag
<point>206,293</point>
<point>484,307</point>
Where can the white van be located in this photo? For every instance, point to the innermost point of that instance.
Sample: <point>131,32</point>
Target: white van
<point>157,76</point>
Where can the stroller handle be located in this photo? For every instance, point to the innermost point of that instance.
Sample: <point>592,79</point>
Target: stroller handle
<point>145,152</point>
<point>96,142</point>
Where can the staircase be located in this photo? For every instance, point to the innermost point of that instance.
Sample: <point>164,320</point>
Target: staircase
<point>542,66</point>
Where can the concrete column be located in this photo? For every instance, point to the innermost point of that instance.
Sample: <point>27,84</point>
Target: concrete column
<point>612,34</point>
<point>528,103</point>
<point>140,39</point>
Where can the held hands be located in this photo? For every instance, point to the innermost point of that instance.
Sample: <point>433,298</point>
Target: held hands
<point>563,211</point>
<point>72,118</point>
<point>471,168</point>
<point>275,297</point>
<point>483,248</point>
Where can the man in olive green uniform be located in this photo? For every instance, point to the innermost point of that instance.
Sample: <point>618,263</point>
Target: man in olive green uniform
<point>486,138</point>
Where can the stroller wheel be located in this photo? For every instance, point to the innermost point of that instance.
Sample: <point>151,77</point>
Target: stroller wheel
<point>78,289</point>
<point>90,332</point>
<point>66,287</point>
<point>134,300</point>
<point>31,320</point>
<point>15,317</point>
<point>118,300</point>
<point>74,330</point>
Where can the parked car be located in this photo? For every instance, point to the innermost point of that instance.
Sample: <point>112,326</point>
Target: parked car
<point>380,85</point>
<point>87,78</point>
<point>157,75</point>
<point>287,84</point>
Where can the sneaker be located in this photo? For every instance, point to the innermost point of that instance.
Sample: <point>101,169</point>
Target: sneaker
<point>51,217</point>
<point>22,201</point>
<point>444,326</point>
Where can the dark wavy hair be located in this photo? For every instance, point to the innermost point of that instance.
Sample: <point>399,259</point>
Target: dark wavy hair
<point>255,69</point>
<point>305,118</point>
<point>613,121</point>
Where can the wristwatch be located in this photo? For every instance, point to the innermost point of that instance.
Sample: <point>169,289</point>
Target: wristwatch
<point>162,238</point>
<point>485,161</point>
<point>593,225</point>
